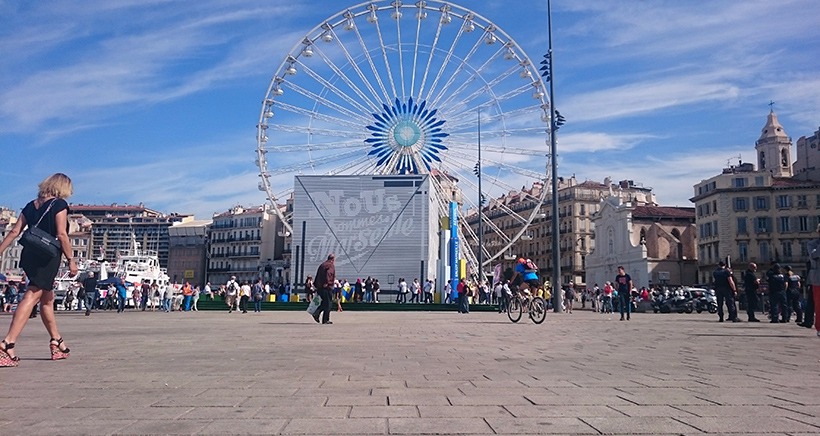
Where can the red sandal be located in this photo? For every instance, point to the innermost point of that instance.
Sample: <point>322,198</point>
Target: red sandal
<point>58,353</point>
<point>6,359</point>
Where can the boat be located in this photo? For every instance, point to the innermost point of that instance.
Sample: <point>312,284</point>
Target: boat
<point>138,266</point>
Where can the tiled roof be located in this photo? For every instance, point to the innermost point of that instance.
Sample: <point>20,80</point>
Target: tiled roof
<point>92,207</point>
<point>591,184</point>
<point>663,212</point>
<point>793,183</point>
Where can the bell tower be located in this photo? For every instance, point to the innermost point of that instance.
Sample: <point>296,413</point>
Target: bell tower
<point>774,149</point>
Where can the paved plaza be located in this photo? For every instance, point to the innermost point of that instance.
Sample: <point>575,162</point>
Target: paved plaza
<point>412,373</point>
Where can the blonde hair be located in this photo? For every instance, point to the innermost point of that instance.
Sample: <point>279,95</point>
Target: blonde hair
<point>56,185</point>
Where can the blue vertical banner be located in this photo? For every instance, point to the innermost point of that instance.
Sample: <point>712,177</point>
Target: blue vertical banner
<point>454,254</point>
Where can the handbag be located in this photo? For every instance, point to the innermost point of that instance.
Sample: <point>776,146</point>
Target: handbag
<point>40,240</point>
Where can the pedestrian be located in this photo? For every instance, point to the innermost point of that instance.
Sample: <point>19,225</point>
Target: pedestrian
<point>793,286</point>
<point>338,292</point>
<point>813,248</point>
<point>325,280</point>
<point>376,289</point>
<point>136,296</point>
<point>751,284</point>
<point>145,294</point>
<point>167,295</point>
<point>624,285</point>
<point>258,291</point>
<point>358,291</point>
<point>401,295</point>
<point>48,213</point>
<point>463,290</point>
<point>155,295</point>
<point>209,293</point>
<point>725,291</point>
<point>368,290</point>
<point>569,295</point>
<point>122,295</point>
<point>448,292</point>
<point>428,292</point>
<point>777,294</point>
<point>415,291</point>
<point>195,299</point>
<point>607,298</point>
<point>244,296</point>
<point>231,291</point>
<point>310,289</point>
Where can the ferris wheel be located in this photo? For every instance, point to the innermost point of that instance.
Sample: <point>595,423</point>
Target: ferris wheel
<point>405,88</point>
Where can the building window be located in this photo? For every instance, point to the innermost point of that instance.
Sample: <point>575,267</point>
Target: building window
<point>764,251</point>
<point>741,203</point>
<point>804,248</point>
<point>741,226</point>
<point>707,209</point>
<point>739,182</point>
<point>761,203</point>
<point>759,181</point>
<point>803,223</point>
<point>714,207</point>
<point>743,250</point>
<point>784,201</point>
<point>762,224</point>
<point>784,224</point>
<point>802,201</point>
<point>583,210</point>
<point>762,160</point>
<point>786,246</point>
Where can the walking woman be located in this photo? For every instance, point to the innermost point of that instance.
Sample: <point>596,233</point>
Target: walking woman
<point>49,212</point>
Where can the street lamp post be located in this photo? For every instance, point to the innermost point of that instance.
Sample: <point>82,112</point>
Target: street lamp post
<point>480,206</point>
<point>556,253</point>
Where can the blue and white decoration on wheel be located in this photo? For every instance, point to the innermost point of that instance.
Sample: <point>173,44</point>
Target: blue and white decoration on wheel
<point>391,88</point>
<point>406,137</point>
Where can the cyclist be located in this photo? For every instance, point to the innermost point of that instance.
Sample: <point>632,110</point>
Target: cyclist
<point>525,277</point>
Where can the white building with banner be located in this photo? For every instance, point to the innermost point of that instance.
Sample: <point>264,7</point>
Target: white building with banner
<point>386,227</point>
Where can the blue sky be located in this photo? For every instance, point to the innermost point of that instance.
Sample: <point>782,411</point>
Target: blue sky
<point>157,101</point>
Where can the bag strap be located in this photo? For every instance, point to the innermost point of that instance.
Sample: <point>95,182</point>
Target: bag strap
<point>51,203</point>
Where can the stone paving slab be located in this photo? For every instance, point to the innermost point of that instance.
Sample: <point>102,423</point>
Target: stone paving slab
<point>424,373</point>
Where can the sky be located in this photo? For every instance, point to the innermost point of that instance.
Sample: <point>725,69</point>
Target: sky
<point>157,102</point>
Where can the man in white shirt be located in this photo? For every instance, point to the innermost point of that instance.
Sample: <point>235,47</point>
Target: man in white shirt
<point>428,291</point>
<point>231,291</point>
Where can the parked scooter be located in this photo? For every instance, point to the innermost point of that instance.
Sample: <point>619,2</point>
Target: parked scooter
<point>677,302</point>
<point>702,302</point>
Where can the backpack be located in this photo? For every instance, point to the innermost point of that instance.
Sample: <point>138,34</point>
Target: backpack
<point>531,266</point>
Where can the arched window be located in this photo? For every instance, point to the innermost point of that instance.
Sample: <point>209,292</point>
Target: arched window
<point>784,158</point>
<point>762,160</point>
<point>643,236</point>
<point>611,241</point>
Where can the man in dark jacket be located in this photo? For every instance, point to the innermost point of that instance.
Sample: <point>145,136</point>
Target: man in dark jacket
<point>751,284</point>
<point>91,293</point>
<point>325,276</point>
<point>777,294</point>
<point>725,290</point>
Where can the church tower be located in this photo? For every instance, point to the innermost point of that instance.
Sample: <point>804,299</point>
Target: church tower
<point>774,149</point>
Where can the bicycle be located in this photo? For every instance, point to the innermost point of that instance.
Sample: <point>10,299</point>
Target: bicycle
<point>535,306</point>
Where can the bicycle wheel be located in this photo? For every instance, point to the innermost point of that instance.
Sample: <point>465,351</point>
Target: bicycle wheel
<point>515,309</point>
<point>538,310</point>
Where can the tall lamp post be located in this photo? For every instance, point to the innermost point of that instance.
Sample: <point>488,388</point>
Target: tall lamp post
<point>480,206</point>
<point>556,121</point>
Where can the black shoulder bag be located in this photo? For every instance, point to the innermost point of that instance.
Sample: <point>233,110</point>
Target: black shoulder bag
<point>39,240</point>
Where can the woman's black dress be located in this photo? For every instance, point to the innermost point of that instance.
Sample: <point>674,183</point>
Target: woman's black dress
<point>39,270</point>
